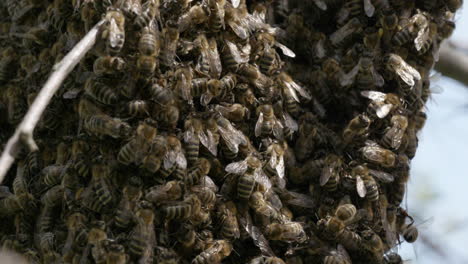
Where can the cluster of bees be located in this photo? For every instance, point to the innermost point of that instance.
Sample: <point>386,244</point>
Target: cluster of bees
<point>217,131</point>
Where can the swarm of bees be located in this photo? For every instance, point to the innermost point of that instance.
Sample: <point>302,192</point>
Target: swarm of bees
<point>217,131</point>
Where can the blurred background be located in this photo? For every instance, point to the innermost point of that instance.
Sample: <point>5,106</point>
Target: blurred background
<point>438,190</point>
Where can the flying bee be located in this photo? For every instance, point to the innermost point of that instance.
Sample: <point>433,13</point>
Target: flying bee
<point>132,193</point>
<point>331,173</point>
<point>100,92</point>
<point>394,135</point>
<point>140,146</point>
<point>170,191</point>
<point>143,238</point>
<point>357,127</point>
<point>374,153</point>
<point>102,124</point>
<point>341,36</point>
<point>267,123</point>
<point>233,56</point>
<point>108,65</point>
<point>194,16</point>
<point>287,232</point>
<point>381,103</point>
<point>170,36</point>
<point>209,62</point>
<point>215,253</point>
<point>217,13</point>
<point>149,43</point>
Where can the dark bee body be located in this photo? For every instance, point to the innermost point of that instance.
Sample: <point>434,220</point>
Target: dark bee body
<point>101,92</point>
<point>179,211</point>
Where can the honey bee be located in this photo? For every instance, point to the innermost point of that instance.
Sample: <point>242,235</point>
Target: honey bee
<point>346,212</point>
<point>116,254</point>
<point>233,112</point>
<point>169,46</point>
<point>287,232</point>
<point>146,65</point>
<point>267,123</point>
<point>143,238</point>
<point>100,92</point>
<point>168,116</point>
<point>410,29</point>
<point>357,127</point>
<point>267,260</point>
<point>331,173</point>
<point>217,13</point>
<point>74,222</point>
<point>108,65</point>
<point>381,104</point>
<point>194,16</point>
<point>262,207</point>
<point>409,232</point>
<point>149,12</point>
<point>170,191</point>
<point>374,244</point>
<point>8,65</point>
<point>98,195</point>
<point>250,171</point>
<point>202,168</point>
<point>393,258</point>
<point>341,36</point>
<point>287,83</point>
<point>233,57</point>
<point>394,134</point>
<point>114,33</point>
<point>97,236</point>
<point>209,62</point>
<point>131,194</point>
<point>182,209</point>
<point>16,107</point>
<point>149,43</point>
<point>378,155</point>
<point>193,136</point>
<point>102,124</point>
<point>215,252</point>
<point>227,213</point>
<point>232,137</point>
<point>53,196</point>
<point>9,203</point>
<point>339,256</point>
<point>138,147</point>
<point>389,23</point>
<point>237,20</point>
<point>161,94</point>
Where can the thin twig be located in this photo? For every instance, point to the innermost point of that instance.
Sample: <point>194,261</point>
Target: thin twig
<point>23,135</point>
<point>453,62</point>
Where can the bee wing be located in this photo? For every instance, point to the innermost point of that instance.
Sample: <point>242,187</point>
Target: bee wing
<point>343,32</point>
<point>273,159</point>
<point>280,167</point>
<point>228,186</point>
<point>290,92</point>
<point>181,160</point>
<point>239,167</point>
<point>262,178</point>
<point>274,199</point>
<point>211,143</point>
<point>258,125</point>
<point>258,238</point>
<point>360,187</point>
<point>293,85</point>
<point>235,52</point>
<point>238,29</point>
<point>207,182</point>
<point>286,51</point>
<point>382,176</point>
<point>383,110</point>
<point>326,174</point>
<point>407,73</point>
<point>232,137</point>
<point>169,159</point>
<point>300,200</point>
<point>321,4</point>
<point>205,98</point>
<point>113,32</point>
<point>379,80</point>
<point>342,251</point>
<point>235,3</point>
<point>214,59</point>
<point>189,135</point>
<point>203,138</point>
<point>397,137</point>
<point>71,93</point>
<point>374,95</point>
<point>348,78</point>
<point>278,130</point>
<point>289,122</point>
<point>369,8</point>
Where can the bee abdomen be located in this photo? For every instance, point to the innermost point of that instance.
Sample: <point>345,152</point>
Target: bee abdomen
<point>182,211</point>
<point>245,186</point>
<point>192,149</point>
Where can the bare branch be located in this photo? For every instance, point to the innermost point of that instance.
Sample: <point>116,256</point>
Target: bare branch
<point>453,62</point>
<point>23,135</point>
